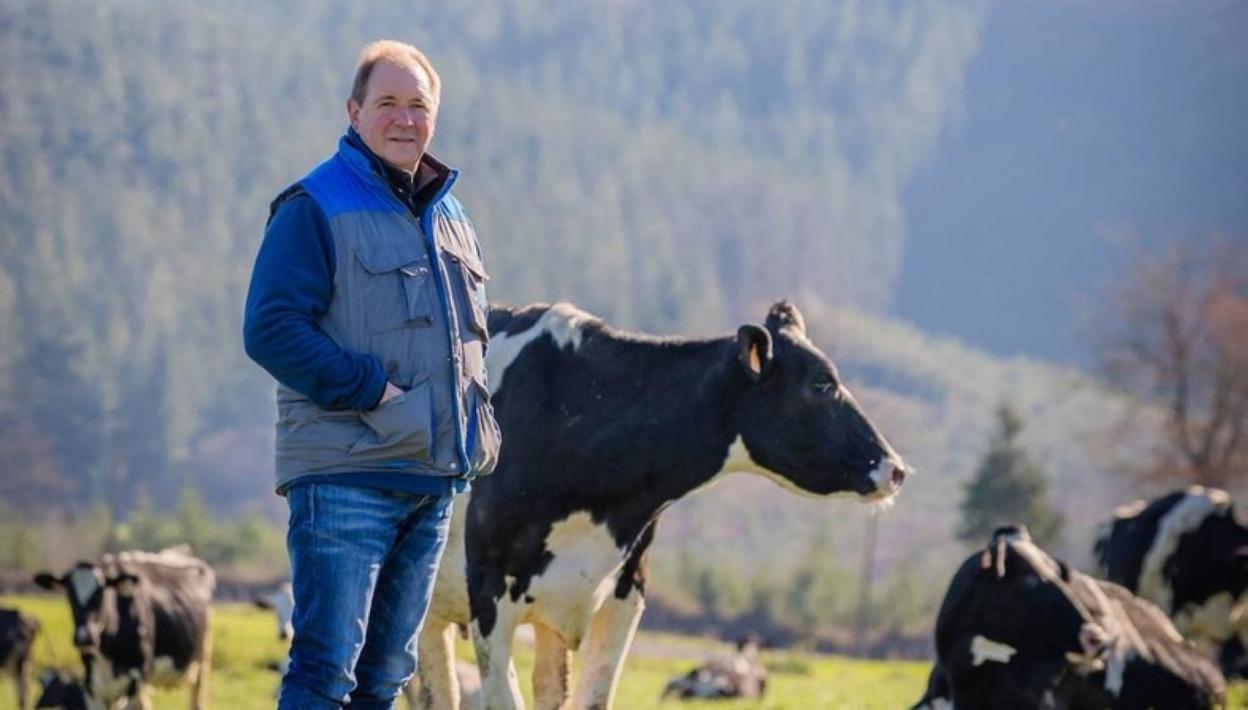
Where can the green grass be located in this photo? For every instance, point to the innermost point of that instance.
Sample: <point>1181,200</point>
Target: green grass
<point>244,641</point>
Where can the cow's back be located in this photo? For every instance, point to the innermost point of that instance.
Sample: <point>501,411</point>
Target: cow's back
<point>179,589</point>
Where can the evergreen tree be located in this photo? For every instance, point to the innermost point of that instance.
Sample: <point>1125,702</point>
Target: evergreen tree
<point>1008,488</point>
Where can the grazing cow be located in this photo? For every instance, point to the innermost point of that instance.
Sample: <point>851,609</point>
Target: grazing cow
<point>740,676</point>
<point>17,636</point>
<point>140,618</point>
<point>1186,553</point>
<point>603,430</point>
<point>1019,629</point>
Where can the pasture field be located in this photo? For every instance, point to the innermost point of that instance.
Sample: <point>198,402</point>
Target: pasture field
<point>245,642</point>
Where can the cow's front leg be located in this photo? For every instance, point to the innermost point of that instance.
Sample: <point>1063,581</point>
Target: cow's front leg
<point>610,635</point>
<point>23,684</point>
<point>551,669</point>
<point>439,688</point>
<point>500,689</point>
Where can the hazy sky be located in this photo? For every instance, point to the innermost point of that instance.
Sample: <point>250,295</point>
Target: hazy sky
<point>1081,122</point>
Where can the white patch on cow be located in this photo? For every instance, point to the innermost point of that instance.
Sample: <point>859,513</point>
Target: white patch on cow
<point>1130,510</point>
<point>562,322</point>
<point>450,592</point>
<point>165,673</point>
<point>580,576</point>
<point>1187,515</point>
<point>282,602</point>
<point>936,704</point>
<point>984,649</point>
<point>84,582</point>
<point>1220,617</point>
<point>107,687</point>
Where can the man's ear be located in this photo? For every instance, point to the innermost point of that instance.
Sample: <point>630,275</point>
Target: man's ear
<point>353,113</point>
<point>754,351</point>
<point>48,581</point>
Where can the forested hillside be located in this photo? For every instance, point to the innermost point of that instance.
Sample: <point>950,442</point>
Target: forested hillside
<point>668,166</point>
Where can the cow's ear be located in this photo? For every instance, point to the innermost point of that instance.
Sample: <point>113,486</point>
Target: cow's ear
<point>754,351</point>
<point>48,581</point>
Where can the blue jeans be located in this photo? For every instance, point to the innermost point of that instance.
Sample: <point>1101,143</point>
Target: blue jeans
<point>362,565</point>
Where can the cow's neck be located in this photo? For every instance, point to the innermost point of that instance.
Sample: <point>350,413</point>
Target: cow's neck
<point>682,447</point>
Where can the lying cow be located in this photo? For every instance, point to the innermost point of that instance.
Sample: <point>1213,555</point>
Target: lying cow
<point>742,675</point>
<point>603,430</point>
<point>1186,553</point>
<point>1019,629</point>
<point>17,637</point>
<point>140,618</point>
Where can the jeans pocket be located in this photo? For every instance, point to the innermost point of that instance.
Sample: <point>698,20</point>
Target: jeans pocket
<point>488,439</point>
<point>401,428</point>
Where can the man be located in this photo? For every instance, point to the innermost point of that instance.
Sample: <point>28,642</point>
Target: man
<point>367,304</point>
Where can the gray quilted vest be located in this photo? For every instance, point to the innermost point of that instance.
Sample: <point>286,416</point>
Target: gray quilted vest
<point>412,293</point>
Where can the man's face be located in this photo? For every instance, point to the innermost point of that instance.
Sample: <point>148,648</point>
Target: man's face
<point>398,115</point>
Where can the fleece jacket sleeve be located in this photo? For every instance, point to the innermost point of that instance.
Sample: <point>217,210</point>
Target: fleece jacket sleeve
<point>291,287</point>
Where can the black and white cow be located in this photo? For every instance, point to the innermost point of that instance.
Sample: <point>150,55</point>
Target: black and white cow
<point>281,601</point>
<point>1186,553</point>
<point>741,675</point>
<point>603,430</point>
<point>1019,629</point>
<point>140,618</point>
<point>17,637</point>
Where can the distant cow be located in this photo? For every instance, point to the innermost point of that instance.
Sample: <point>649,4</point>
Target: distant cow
<point>17,636</point>
<point>602,431</point>
<point>1019,629</point>
<point>741,675</point>
<point>140,618</point>
<point>1186,553</point>
<point>282,602</point>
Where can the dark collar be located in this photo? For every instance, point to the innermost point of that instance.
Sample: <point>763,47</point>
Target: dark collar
<point>413,189</point>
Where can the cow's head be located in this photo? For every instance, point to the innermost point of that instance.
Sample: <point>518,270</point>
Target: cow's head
<point>282,602</point>
<point>798,421</point>
<point>87,587</point>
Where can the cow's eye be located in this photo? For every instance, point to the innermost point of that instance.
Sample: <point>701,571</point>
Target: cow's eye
<point>824,384</point>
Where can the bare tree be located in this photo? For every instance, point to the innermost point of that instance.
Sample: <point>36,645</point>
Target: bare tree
<point>1175,336</point>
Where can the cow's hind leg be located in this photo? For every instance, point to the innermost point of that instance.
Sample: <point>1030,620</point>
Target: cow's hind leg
<point>439,688</point>
<point>551,669</point>
<point>610,635</point>
<point>500,689</point>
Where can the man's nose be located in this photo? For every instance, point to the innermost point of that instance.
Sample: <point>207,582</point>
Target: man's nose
<point>406,117</point>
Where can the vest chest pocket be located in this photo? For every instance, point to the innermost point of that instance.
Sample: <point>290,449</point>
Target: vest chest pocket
<point>397,286</point>
<point>471,301</point>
